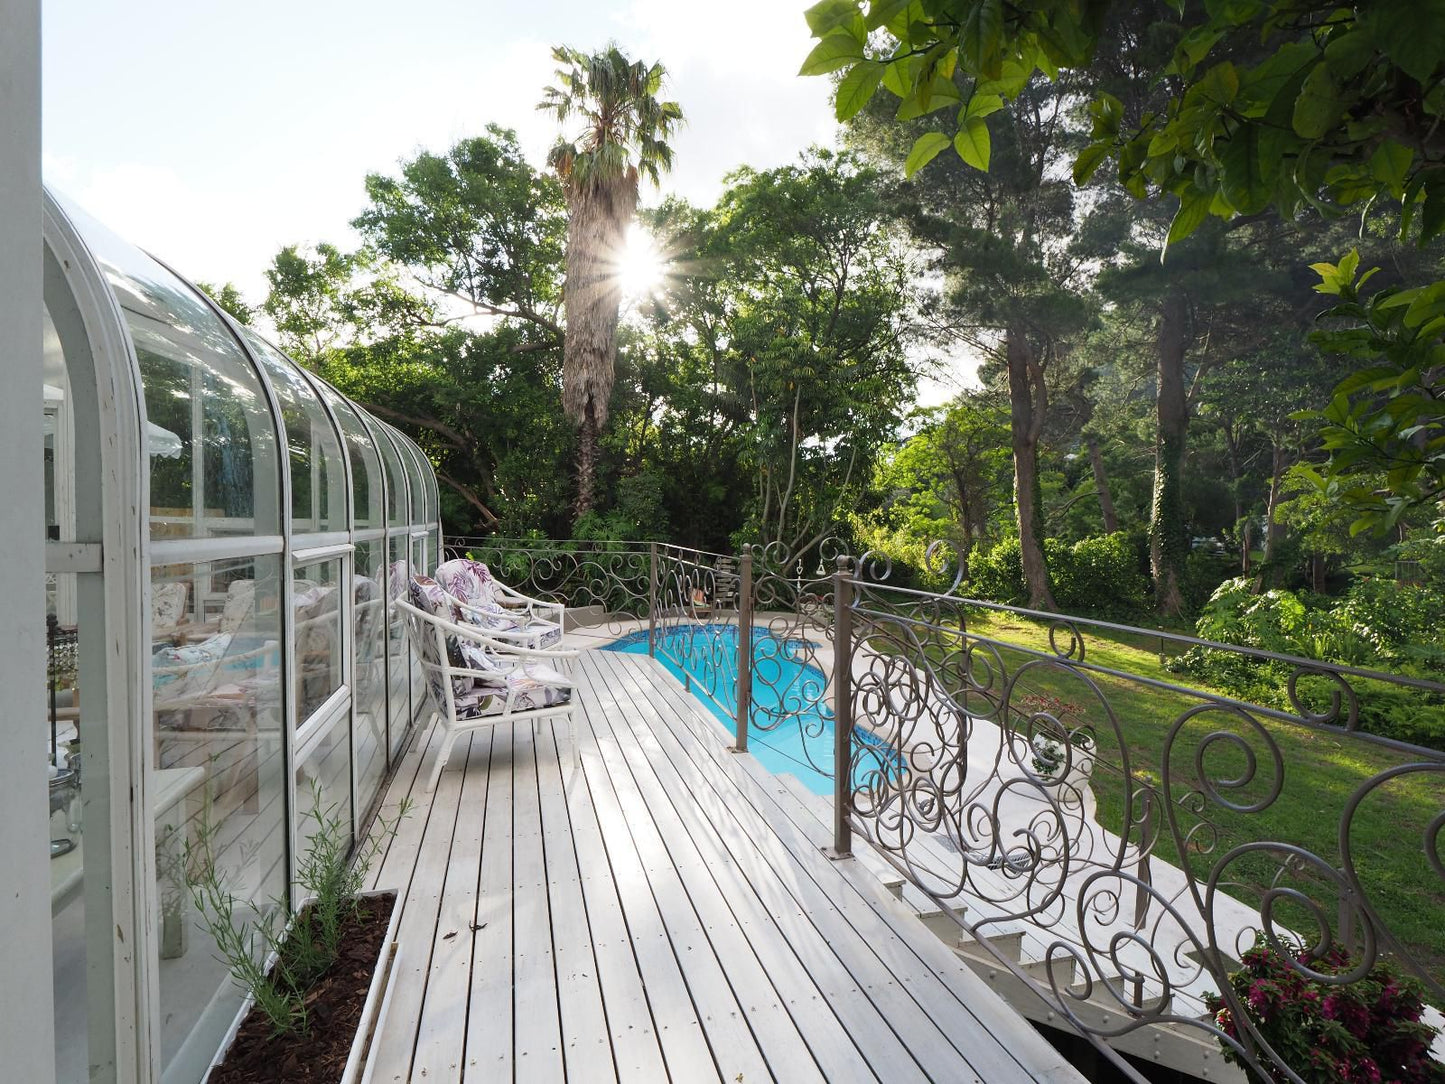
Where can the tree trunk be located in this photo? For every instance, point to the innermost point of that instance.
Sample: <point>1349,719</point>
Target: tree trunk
<point>587,434</point>
<point>1025,423</point>
<point>1168,538</point>
<point>598,215</point>
<point>1273,530</point>
<point>1231,442</point>
<point>1101,484</point>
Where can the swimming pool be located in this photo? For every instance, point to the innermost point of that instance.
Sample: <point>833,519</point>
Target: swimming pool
<point>792,688</point>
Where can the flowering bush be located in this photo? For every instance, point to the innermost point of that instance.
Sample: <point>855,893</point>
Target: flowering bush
<point>1368,1032</point>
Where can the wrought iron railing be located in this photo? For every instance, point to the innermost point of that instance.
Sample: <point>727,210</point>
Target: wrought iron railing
<point>1115,835</point>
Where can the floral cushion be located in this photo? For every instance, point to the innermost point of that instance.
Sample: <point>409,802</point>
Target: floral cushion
<point>168,604</point>
<point>472,583</point>
<point>486,695</point>
<point>240,602</point>
<point>489,697</point>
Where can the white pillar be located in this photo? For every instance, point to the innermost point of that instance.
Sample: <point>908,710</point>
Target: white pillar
<point>26,1019</point>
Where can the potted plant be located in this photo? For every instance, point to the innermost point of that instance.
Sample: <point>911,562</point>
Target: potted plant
<point>1065,757</point>
<point>316,985</point>
<point>1365,1032</point>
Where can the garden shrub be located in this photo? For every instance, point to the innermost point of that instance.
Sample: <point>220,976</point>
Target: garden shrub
<point>1366,1032</point>
<point>906,555</point>
<point>1098,576</point>
<point>1377,625</point>
<point>997,575</point>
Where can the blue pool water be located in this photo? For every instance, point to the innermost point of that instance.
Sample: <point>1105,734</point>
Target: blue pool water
<point>791,687</point>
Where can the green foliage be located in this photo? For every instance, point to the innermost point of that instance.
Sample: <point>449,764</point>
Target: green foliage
<point>906,557</point>
<point>1098,576</point>
<point>228,296</point>
<point>625,125</point>
<point>997,575</point>
<point>1368,1030</point>
<point>1377,625</point>
<point>1388,419</point>
<point>477,225</point>
<point>274,962</point>
<point>1306,109</point>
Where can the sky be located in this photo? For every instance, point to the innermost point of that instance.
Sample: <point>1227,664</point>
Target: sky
<point>213,134</point>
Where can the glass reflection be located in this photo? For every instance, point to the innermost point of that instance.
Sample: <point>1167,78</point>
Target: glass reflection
<point>219,782</point>
<point>317,602</point>
<point>366,484</point>
<point>317,493</point>
<point>323,785</point>
<point>211,438</point>
<point>369,670</point>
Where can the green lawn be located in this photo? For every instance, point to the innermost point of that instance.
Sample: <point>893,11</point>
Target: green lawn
<point>1320,771</point>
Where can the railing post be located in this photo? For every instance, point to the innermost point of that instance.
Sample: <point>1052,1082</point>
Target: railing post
<point>652,600</point>
<point>745,648</point>
<point>842,709</point>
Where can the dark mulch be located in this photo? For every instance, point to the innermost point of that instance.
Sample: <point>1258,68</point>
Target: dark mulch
<point>334,1008</point>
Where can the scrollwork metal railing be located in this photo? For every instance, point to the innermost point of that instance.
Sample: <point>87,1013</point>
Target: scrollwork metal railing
<point>1141,834</point>
<point>1117,835</point>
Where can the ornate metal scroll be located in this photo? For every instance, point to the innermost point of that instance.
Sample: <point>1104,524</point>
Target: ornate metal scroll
<point>604,585</point>
<point>1138,836</point>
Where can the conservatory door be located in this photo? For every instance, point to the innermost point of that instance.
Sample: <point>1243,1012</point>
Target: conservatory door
<point>90,763</point>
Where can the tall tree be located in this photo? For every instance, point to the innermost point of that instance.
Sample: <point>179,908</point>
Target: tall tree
<point>1285,104</point>
<point>625,127</point>
<point>817,290</point>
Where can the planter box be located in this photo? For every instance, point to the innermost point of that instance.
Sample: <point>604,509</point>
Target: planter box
<point>373,1012</point>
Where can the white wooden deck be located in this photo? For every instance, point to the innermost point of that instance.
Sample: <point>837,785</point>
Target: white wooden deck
<point>662,914</point>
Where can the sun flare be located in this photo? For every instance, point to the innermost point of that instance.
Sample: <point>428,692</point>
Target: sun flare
<point>641,265</point>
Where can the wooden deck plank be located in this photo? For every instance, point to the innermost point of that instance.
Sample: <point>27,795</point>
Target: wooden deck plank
<point>663,914</point>
<point>487,1054</point>
<point>420,903</point>
<point>740,934</point>
<point>664,925</point>
<point>442,1025</point>
<point>537,1027</point>
<point>632,1024</point>
<point>999,1042</point>
<point>393,870</point>
<point>898,1041</point>
<point>587,1048</point>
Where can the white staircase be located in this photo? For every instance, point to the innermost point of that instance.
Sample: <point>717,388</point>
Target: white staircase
<point>1004,945</point>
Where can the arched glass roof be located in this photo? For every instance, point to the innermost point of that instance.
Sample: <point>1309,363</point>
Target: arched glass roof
<point>250,591</point>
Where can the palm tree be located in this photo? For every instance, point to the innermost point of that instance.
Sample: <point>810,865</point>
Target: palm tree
<point>623,137</point>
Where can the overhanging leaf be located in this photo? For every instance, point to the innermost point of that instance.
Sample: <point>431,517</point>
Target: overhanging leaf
<point>925,149</point>
<point>973,143</point>
<point>833,52</point>
<point>856,88</point>
<point>1088,161</point>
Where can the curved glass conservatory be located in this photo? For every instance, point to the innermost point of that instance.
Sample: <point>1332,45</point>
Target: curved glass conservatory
<point>223,531</point>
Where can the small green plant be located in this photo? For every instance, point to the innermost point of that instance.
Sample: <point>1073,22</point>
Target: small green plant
<point>271,961</point>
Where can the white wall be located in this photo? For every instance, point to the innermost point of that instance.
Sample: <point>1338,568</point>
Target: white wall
<point>26,1026</point>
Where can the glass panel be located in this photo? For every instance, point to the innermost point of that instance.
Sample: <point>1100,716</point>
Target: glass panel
<point>369,670</point>
<point>419,488</point>
<point>366,486</point>
<point>398,653</point>
<point>317,477</point>
<point>397,509</point>
<point>219,782</point>
<point>323,785</point>
<point>213,455</point>
<point>317,603</point>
